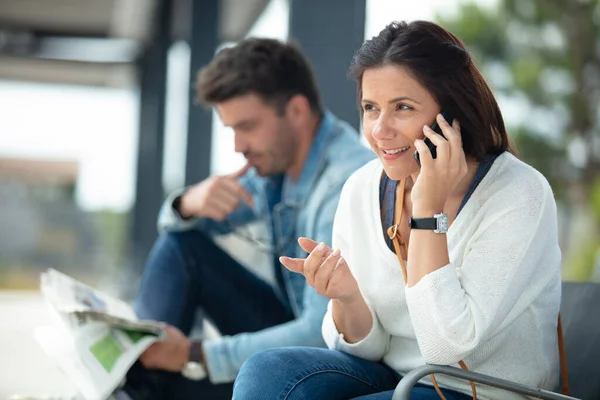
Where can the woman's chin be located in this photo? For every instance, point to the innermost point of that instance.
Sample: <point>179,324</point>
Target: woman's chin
<point>399,170</point>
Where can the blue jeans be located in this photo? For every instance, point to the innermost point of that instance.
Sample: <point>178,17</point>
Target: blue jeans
<point>303,373</point>
<point>185,271</point>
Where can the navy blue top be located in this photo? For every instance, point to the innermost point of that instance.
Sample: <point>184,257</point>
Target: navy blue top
<point>387,195</point>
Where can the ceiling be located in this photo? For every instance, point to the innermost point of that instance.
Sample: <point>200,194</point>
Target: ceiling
<point>95,42</point>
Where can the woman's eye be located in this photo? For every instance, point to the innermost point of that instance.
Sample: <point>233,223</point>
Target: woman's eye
<point>403,107</point>
<point>368,107</point>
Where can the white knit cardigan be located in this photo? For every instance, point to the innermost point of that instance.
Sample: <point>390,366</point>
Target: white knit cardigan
<point>495,305</point>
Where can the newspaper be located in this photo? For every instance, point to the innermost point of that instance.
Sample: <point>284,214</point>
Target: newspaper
<point>96,338</point>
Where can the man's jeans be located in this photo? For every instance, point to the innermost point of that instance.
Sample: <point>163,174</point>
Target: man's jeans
<point>304,373</point>
<point>185,271</point>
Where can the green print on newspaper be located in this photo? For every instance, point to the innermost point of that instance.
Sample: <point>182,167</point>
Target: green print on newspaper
<point>108,349</point>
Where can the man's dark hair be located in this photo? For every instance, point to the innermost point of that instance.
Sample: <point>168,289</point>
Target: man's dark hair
<point>441,63</point>
<point>273,70</point>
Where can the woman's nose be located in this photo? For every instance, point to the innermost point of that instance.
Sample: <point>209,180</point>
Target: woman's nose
<point>382,128</point>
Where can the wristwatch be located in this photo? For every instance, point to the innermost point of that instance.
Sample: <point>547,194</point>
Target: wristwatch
<point>439,223</point>
<point>194,369</point>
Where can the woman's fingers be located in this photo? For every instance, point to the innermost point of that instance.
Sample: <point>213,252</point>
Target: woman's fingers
<point>308,245</point>
<point>339,277</point>
<point>456,128</point>
<point>307,266</point>
<point>452,134</point>
<point>449,147</point>
<point>323,274</point>
<point>457,164</point>
<point>437,139</point>
<point>424,153</point>
<point>314,261</point>
<point>318,267</point>
<point>293,264</point>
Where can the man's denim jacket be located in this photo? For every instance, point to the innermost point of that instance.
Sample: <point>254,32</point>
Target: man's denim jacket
<point>307,208</point>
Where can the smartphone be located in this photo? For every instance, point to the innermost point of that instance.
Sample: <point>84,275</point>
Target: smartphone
<point>436,128</point>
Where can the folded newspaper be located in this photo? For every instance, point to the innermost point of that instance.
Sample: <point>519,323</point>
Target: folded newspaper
<point>96,337</point>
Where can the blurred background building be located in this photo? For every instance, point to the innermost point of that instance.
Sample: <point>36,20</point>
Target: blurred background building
<point>98,120</point>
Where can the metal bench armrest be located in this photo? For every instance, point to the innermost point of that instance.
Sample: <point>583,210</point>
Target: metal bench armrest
<point>405,386</point>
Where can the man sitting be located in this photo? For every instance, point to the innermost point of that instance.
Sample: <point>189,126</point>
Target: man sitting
<point>298,158</point>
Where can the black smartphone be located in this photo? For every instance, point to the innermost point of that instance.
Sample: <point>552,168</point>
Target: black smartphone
<point>436,128</point>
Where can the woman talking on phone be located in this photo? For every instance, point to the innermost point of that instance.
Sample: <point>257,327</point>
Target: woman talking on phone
<point>453,260</point>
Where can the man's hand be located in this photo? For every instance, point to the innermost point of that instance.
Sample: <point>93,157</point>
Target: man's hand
<point>169,354</point>
<point>215,197</point>
<point>325,270</point>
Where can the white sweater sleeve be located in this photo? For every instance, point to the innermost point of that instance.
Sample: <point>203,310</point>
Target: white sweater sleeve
<point>371,347</point>
<point>375,344</point>
<point>454,309</point>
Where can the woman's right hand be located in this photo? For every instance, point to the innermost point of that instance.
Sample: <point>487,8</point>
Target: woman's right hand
<point>325,270</point>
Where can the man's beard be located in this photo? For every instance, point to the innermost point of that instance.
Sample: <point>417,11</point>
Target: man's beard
<point>274,161</point>
<point>277,159</point>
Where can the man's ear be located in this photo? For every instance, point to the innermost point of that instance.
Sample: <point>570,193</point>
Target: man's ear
<point>298,110</point>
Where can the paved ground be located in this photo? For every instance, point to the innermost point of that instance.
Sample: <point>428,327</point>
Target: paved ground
<point>24,367</point>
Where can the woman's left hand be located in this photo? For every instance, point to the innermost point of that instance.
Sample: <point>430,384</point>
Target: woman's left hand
<point>440,176</point>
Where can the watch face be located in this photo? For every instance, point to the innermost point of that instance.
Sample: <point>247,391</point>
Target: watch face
<point>442,223</point>
<point>194,371</point>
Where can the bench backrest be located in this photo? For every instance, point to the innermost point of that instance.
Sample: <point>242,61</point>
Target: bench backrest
<point>580,314</point>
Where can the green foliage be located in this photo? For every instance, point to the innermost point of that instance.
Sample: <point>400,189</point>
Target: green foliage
<point>480,29</point>
<point>581,261</point>
<point>547,52</point>
<point>543,155</point>
<point>595,199</point>
<point>548,49</point>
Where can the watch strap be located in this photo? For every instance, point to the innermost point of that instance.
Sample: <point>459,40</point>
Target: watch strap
<point>196,352</point>
<point>422,223</point>
<point>195,369</point>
